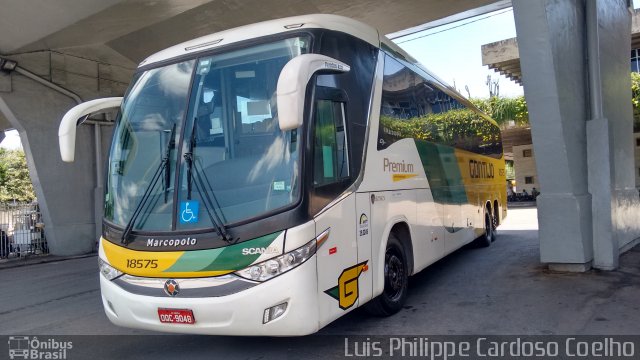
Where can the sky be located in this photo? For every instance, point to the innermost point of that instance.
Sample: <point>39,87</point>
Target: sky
<point>453,52</point>
<point>11,140</point>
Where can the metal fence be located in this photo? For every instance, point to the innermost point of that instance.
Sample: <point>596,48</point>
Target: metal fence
<point>21,231</point>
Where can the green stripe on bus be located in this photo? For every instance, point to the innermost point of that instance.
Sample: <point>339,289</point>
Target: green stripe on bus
<point>226,258</point>
<point>441,167</point>
<point>196,260</point>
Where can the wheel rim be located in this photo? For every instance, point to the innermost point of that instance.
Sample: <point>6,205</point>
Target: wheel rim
<point>394,275</point>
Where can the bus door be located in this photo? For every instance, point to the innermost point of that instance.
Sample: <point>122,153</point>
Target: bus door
<point>338,263</point>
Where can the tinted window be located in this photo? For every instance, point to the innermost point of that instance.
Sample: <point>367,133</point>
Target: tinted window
<point>143,156</point>
<point>331,162</point>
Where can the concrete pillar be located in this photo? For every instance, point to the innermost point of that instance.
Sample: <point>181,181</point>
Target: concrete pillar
<point>69,194</point>
<point>615,231</point>
<point>587,210</point>
<point>64,191</point>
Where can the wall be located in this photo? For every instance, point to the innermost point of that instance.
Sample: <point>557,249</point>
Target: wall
<point>637,168</point>
<point>525,166</point>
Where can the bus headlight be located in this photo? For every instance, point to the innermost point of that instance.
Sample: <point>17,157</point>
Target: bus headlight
<point>279,265</point>
<point>107,270</point>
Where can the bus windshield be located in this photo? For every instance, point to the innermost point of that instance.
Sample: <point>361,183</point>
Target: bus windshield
<point>210,126</point>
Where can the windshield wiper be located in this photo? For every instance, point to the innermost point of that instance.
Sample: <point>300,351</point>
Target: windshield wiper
<point>209,198</point>
<point>164,164</point>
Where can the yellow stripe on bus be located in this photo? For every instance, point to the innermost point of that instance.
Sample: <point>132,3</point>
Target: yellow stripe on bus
<point>400,177</point>
<point>483,177</point>
<point>150,263</point>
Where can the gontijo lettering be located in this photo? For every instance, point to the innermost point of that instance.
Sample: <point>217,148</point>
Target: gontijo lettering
<point>481,170</point>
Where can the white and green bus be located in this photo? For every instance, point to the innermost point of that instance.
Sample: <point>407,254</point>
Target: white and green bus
<point>268,179</point>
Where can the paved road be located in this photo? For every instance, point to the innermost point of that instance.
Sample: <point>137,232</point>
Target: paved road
<point>497,290</point>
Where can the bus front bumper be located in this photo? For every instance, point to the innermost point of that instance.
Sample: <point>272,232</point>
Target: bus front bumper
<point>240,313</point>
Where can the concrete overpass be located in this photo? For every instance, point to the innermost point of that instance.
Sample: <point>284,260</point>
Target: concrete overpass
<point>69,51</point>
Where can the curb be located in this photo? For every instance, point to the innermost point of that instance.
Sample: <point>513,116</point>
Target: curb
<point>14,263</point>
<point>512,205</point>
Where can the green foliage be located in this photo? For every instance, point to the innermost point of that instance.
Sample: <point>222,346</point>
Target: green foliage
<point>635,99</point>
<point>503,110</point>
<point>15,183</point>
<point>462,127</point>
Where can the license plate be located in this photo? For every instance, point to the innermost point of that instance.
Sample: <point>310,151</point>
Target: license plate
<point>176,316</point>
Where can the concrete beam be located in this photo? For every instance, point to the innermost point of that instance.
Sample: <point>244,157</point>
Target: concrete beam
<point>500,52</point>
<point>459,16</point>
<point>387,15</point>
<point>504,58</point>
<point>22,23</point>
<point>116,19</point>
<point>136,29</point>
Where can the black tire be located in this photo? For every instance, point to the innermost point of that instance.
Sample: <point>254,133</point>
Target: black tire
<point>396,281</point>
<point>494,222</point>
<point>488,236</point>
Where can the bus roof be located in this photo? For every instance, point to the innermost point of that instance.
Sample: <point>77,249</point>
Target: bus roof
<point>272,27</point>
<point>265,28</point>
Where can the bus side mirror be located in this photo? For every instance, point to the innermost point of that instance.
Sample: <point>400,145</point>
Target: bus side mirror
<point>292,85</point>
<point>75,117</point>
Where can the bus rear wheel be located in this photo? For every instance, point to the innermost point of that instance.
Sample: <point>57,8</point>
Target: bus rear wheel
<point>489,234</point>
<point>396,281</point>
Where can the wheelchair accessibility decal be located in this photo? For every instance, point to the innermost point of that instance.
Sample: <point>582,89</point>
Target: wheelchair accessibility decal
<point>189,212</point>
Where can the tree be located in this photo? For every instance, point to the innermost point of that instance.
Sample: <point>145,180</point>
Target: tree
<point>15,183</point>
<point>635,100</point>
<point>503,109</point>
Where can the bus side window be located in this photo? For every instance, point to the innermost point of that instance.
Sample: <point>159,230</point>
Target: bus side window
<point>331,160</point>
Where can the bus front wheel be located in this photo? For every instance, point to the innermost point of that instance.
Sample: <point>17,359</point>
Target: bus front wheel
<point>396,280</point>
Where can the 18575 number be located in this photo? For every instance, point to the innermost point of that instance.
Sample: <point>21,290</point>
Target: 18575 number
<point>142,264</point>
